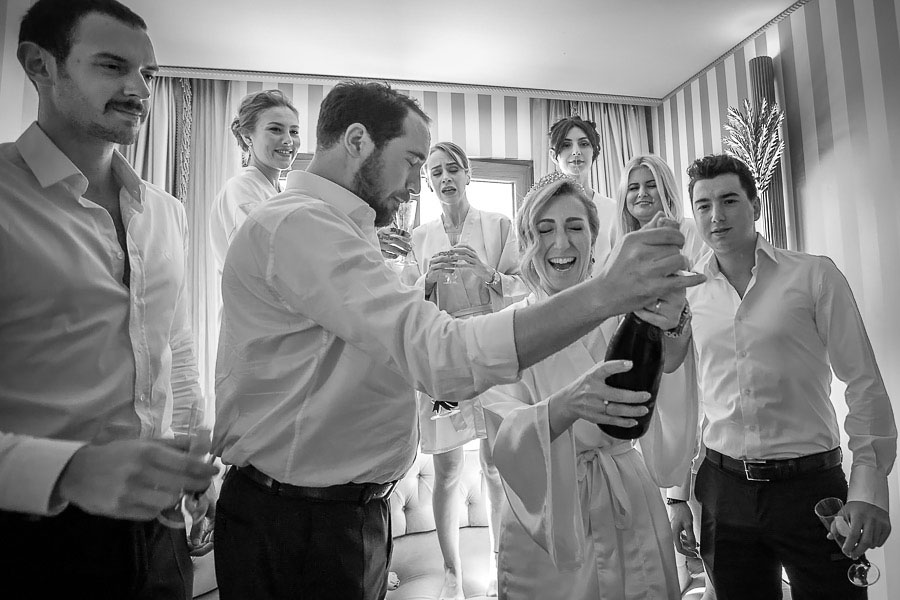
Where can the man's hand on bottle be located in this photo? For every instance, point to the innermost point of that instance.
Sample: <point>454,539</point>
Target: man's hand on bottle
<point>645,272</point>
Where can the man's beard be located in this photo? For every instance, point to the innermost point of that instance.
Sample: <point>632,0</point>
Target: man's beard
<point>367,185</point>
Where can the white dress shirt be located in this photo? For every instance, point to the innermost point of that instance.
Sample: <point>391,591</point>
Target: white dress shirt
<point>765,364</point>
<point>83,357</point>
<point>321,342</point>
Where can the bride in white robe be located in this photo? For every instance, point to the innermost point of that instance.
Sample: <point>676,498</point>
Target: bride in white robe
<point>584,518</point>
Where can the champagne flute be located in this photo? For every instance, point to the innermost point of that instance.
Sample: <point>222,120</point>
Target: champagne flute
<point>404,219</point>
<point>861,573</point>
<point>199,445</point>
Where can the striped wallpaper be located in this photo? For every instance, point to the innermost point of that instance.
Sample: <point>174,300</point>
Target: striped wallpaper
<point>486,125</point>
<point>837,65</point>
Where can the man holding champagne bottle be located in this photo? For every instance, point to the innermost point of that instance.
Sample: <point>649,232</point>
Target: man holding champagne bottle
<point>769,327</point>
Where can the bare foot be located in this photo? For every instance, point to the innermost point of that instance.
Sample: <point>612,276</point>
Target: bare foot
<point>393,581</point>
<point>452,587</point>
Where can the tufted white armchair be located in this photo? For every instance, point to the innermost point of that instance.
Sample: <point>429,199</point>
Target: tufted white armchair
<point>417,557</point>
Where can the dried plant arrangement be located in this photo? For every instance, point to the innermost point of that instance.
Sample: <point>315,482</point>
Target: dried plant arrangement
<point>754,136</point>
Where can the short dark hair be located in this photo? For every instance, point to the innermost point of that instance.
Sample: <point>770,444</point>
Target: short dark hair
<point>376,105</point>
<point>51,23</point>
<point>713,165</point>
<point>560,130</point>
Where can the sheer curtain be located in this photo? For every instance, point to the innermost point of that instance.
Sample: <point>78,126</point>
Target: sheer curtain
<point>214,157</point>
<point>623,133</point>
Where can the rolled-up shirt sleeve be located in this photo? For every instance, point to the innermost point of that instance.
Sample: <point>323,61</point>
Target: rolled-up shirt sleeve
<point>351,292</point>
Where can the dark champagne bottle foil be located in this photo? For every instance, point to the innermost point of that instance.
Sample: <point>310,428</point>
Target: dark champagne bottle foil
<point>642,344</point>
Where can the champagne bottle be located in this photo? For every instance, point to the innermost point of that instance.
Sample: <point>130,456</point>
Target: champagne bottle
<point>642,344</point>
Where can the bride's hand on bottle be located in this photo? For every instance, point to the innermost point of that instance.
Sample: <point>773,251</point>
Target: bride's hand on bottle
<point>589,397</point>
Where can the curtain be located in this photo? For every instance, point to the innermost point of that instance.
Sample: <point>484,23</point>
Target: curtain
<point>623,133</point>
<point>214,158</point>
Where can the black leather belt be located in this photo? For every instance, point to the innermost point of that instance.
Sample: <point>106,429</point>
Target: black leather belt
<point>348,492</point>
<point>776,469</point>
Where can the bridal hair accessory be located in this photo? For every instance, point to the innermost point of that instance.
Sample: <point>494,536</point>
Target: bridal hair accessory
<point>554,177</point>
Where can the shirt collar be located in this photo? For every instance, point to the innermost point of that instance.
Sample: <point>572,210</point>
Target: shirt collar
<point>339,197</point>
<point>709,266</point>
<point>51,166</point>
<point>47,162</point>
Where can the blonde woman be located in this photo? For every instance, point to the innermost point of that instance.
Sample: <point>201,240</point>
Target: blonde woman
<point>584,519</point>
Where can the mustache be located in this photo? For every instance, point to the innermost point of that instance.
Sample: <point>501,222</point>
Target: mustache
<point>135,106</point>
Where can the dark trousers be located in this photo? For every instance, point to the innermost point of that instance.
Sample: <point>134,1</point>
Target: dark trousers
<point>272,547</point>
<point>78,555</point>
<point>750,529</point>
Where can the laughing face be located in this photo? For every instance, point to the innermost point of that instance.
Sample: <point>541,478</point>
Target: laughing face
<point>725,216</point>
<point>564,243</point>
<point>575,154</point>
<point>447,177</point>
<point>275,139</point>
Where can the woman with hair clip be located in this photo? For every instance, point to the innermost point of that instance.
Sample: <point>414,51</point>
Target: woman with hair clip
<point>584,519</point>
<point>574,148</point>
<point>466,262</point>
<point>267,129</point>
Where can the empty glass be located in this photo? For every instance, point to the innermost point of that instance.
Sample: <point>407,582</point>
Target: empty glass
<point>861,573</point>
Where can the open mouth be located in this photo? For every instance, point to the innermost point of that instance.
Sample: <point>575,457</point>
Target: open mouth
<point>287,153</point>
<point>448,191</point>
<point>562,264</point>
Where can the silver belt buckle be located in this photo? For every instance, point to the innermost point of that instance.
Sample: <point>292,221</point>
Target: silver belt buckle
<point>748,465</point>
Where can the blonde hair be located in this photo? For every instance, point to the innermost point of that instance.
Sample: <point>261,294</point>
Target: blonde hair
<point>669,195</point>
<point>544,191</point>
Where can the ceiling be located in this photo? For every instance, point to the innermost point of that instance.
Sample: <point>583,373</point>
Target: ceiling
<point>643,48</point>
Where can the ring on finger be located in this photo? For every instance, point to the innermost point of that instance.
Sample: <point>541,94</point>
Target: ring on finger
<point>657,305</point>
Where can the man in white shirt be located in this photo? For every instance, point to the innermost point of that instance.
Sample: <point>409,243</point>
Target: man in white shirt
<point>769,326</point>
<point>97,363</point>
<point>322,346</point>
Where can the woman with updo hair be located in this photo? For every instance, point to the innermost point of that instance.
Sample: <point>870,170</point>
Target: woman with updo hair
<point>574,148</point>
<point>267,129</point>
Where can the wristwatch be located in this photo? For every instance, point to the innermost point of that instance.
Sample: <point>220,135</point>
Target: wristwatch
<point>494,280</point>
<point>683,320</point>
<point>671,501</point>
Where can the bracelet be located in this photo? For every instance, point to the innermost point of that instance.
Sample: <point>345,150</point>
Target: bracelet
<point>671,501</point>
<point>495,279</point>
<point>683,320</point>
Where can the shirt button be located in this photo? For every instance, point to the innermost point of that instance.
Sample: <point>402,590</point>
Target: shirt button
<point>143,397</point>
<point>747,391</point>
<point>120,255</point>
<point>742,354</point>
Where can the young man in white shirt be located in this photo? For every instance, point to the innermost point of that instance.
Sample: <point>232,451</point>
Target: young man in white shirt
<point>769,327</point>
<point>322,346</point>
<point>97,365</point>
